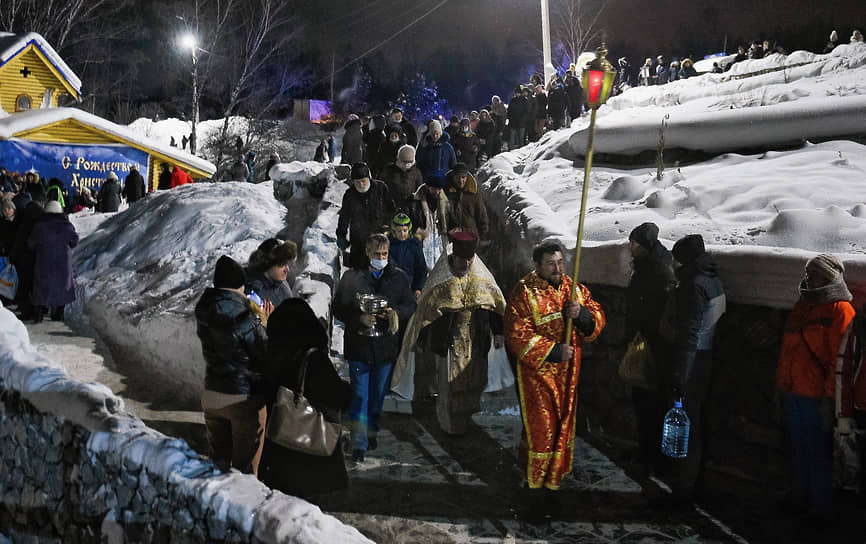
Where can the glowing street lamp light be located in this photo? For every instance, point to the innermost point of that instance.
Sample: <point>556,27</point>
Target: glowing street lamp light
<point>598,76</point>
<point>188,41</point>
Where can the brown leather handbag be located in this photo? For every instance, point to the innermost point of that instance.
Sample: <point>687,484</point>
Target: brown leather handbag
<point>296,424</point>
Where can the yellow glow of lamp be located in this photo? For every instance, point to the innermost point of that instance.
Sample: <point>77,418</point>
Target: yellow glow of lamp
<point>597,79</point>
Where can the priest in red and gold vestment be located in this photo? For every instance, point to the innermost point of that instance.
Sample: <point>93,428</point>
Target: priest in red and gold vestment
<point>547,367</point>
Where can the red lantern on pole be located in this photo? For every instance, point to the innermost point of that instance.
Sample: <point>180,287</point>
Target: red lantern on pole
<point>597,82</point>
<point>598,76</point>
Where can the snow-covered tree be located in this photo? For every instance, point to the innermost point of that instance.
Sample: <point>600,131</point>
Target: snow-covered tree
<point>420,99</point>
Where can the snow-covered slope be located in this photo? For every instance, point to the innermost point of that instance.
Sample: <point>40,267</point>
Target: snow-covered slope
<point>141,271</point>
<point>771,209</point>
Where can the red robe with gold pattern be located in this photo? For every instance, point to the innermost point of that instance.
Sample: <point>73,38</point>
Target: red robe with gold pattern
<point>548,390</point>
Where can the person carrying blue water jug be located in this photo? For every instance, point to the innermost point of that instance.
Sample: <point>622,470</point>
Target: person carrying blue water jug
<point>689,322</point>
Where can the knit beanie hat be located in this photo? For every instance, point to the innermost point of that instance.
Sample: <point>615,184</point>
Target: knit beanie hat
<point>828,265</point>
<point>402,220</point>
<point>435,126</point>
<point>228,274</point>
<point>360,170</point>
<point>406,153</point>
<point>688,248</point>
<point>645,234</point>
<point>436,180</point>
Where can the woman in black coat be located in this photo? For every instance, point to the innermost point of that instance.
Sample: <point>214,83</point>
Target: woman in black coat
<point>294,333</point>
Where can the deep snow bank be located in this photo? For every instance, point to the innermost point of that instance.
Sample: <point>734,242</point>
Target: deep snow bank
<point>140,273</point>
<point>775,100</point>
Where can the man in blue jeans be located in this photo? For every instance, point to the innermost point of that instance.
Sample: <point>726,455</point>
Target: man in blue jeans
<point>371,358</point>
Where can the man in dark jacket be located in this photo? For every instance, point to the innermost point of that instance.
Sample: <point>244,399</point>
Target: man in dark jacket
<point>698,303</point>
<point>23,257</point>
<point>466,145</point>
<point>353,141</point>
<point>234,345</point>
<point>574,91</point>
<point>651,281</point>
<point>517,113</point>
<point>403,178</point>
<point>371,358</point>
<point>367,208</point>
<point>133,186</point>
<point>164,182</point>
<point>109,194</point>
<point>406,126</point>
<point>466,209</point>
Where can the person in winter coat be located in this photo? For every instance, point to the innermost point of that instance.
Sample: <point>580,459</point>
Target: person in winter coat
<point>234,345</point>
<point>406,126</point>
<point>574,93</point>
<point>367,208</point>
<point>332,148</point>
<point>268,270</point>
<point>321,152</point>
<point>687,69</point>
<point>164,182</point>
<point>646,72</point>
<point>273,160</point>
<point>453,128</point>
<point>831,45</point>
<point>690,320</point>
<point>353,141</point>
<point>108,199</point>
<point>133,186</point>
<point>23,257</point>
<point>57,191</point>
<point>296,336</point>
<point>518,110</point>
<point>372,358</point>
<point>179,177</point>
<point>387,152</point>
<point>806,375</point>
<point>435,154</point>
<point>651,282</point>
<point>467,145</point>
<point>674,71</point>
<point>374,137</point>
<point>7,226</point>
<point>557,104</point>
<point>238,172</point>
<point>431,203</point>
<point>540,122</point>
<point>466,209</point>
<point>661,74</point>
<point>406,252</point>
<point>486,131</point>
<point>403,178</point>
<point>51,242</point>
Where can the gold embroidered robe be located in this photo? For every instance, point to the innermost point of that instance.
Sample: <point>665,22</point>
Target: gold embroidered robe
<point>548,390</point>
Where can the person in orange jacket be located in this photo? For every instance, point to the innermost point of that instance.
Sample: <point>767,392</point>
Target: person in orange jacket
<point>806,376</point>
<point>179,177</point>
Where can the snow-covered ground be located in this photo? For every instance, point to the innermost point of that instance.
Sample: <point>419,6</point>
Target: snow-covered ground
<point>756,209</point>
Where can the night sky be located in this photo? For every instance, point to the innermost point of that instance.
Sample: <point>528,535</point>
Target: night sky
<point>502,38</point>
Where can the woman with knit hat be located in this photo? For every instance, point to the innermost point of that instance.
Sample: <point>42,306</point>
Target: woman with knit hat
<point>805,375</point>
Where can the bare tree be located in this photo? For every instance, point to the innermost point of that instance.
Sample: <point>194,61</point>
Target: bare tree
<point>574,24</point>
<point>53,19</point>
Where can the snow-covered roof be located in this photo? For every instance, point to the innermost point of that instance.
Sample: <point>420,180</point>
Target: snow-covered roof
<point>12,44</point>
<point>33,119</point>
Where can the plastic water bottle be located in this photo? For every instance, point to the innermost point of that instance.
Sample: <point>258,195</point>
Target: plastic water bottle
<point>675,433</point>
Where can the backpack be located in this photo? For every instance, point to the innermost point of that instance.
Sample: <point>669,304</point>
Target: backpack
<point>850,398</point>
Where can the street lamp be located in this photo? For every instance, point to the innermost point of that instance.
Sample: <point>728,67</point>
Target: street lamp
<point>598,76</point>
<point>188,41</point>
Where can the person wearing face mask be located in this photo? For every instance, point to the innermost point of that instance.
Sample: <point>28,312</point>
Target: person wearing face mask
<point>459,310</point>
<point>403,178</point>
<point>371,358</point>
<point>387,152</point>
<point>467,145</point>
<point>397,118</point>
<point>806,376</point>
<point>367,208</point>
<point>268,270</point>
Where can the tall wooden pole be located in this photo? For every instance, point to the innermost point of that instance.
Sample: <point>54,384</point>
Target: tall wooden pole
<point>586,167</point>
